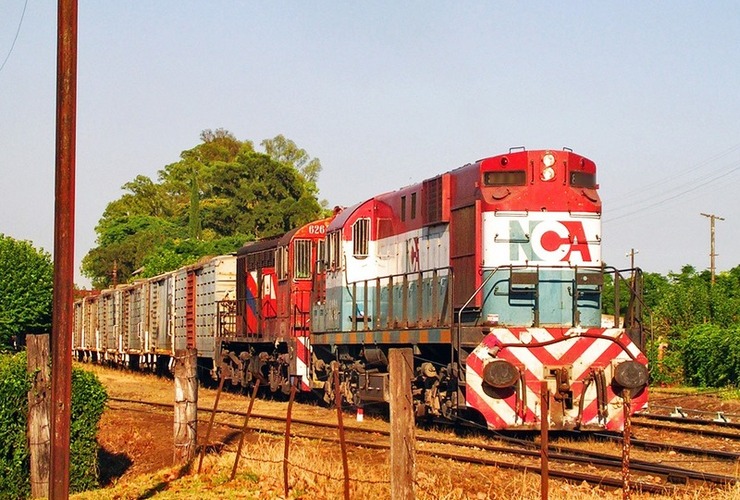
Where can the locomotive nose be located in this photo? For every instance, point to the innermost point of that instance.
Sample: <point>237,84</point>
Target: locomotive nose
<point>631,375</point>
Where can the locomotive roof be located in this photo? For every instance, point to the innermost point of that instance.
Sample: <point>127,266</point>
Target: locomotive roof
<point>345,214</point>
<point>259,245</point>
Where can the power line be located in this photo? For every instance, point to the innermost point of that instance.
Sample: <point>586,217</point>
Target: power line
<point>17,32</point>
<point>674,176</point>
<point>661,201</point>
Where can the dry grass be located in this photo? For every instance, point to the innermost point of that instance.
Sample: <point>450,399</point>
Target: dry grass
<point>317,473</point>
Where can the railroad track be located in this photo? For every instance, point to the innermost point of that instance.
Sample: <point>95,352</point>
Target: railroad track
<point>526,454</point>
<point>689,426</point>
<point>721,421</point>
<point>665,446</point>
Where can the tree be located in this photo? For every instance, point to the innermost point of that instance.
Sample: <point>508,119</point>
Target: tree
<point>25,289</point>
<point>219,192</point>
<point>285,151</point>
<point>123,243</point>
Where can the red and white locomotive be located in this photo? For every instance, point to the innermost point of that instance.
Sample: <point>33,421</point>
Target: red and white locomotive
<point>492,273</point>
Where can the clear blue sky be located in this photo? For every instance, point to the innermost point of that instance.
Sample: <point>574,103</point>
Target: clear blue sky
<point>389,93</point>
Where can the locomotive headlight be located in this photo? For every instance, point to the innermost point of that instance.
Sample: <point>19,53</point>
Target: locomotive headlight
<point>548,160</point>
<point>631,375</point>
<point>548,172</point>
<point>500,374</point>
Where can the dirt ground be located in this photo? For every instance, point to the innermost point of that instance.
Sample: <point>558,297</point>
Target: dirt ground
<point>137,442</point>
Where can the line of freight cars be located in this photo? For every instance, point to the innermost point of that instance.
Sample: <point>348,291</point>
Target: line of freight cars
<point>492,273</point>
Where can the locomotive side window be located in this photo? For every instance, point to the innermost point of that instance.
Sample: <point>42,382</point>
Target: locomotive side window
<point>302,259</point>
<point>583,179</point>
<point>413,205</point>
<point>360,238</point>
<point>334,241</point>
<point>508,178</point>
<point>281,263</point>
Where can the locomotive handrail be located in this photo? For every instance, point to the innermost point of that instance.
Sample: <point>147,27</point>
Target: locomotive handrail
<point>437,318</point>
<point>635,316</point>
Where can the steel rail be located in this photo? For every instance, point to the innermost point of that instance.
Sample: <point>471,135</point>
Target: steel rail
<point>661,445</point>
<point>689,430</point>
<point>670,474</point>
<point>689,420</point>
<point>562,474</point>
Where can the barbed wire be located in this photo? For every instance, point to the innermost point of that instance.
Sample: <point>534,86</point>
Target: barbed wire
<point>312,471</point>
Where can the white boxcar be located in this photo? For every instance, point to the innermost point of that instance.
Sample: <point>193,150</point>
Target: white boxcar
<point>198,289</point>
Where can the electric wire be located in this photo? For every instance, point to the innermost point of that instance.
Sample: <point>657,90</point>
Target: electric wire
<point>671,197</point>
<point>17,32</point>
<point>640,191</point>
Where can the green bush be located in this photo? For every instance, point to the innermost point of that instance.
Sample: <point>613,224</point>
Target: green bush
<point>666,363</point>
<point>711,356</point>
<point>14,463</point>
<point>25,290</point>
<point>88,403</point>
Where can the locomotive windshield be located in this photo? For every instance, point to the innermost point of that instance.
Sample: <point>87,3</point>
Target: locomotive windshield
<point>583,179</point>
<point>508,178</point>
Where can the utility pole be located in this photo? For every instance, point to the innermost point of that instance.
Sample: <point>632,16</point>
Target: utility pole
<point>64,212</point>
<point>712,255</point>
<point>631,255</point>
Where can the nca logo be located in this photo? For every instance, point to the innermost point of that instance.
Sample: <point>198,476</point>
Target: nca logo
<point>549,241</point>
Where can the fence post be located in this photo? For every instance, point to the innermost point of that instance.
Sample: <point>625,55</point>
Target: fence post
<point>186,405</point>
<point>245,427</point>
<point>204,446</point>
<point>39,437</point>
<point>403,445</point>
<point>286,451</point>
<point>627,408</point>
<point>544,440</point>
<point>340,424</point>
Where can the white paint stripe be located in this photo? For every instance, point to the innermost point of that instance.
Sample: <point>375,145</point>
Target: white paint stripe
<point>499,407</point>
<point>301,365</point>
<point>591,354</point>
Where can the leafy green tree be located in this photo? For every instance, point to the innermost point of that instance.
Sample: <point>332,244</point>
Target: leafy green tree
<point>123,243</point>
<point>178,253</point>
<point>220,189</point>
<point>288,153</point>
<point>26,280</point>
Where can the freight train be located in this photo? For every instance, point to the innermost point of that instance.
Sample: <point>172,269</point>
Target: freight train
<point>491,273</point>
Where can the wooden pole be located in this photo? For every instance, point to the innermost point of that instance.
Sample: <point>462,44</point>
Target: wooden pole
<point>62,315</point>
<point>244,429</point>
<point>712,254</point>
<point>186,405</point>
<point>286,451</point>
<point>340,424</point>
<point>544,440</point>
<point>213,417</point>
<point>403,446</point>
<point>626,443</point>
<point>39,407</point>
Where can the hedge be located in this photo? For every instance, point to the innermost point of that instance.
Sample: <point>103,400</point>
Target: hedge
<point>88,402</point>
<point>711,356</point>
